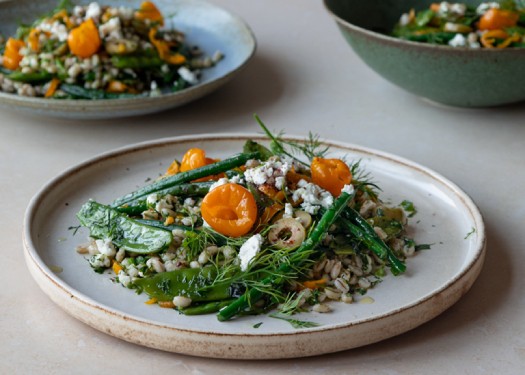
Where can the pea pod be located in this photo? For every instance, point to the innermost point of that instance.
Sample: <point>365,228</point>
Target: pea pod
<point>136,62</point>
<point>128,234</point>
<point>194,283</point>
<point>36,77</point>
<point>80,92</point>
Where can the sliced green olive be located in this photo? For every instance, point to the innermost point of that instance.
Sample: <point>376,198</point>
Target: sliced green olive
<point>304,218</point>
<point>287,233</point>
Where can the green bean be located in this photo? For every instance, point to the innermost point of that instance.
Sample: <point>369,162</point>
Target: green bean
<point>105,222</point>
<point>183,177</point>
<point>253,294</point>
<point>206,308</point>
<point>136,62</point>
<point>35,77</point>
<point>360,228</point>
<point>82,93</point>
<point>198,189</point>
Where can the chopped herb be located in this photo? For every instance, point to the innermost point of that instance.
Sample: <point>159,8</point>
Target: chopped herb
<point>294,322</point>
<point>472,231</point>
<point>257,325</point>
<point>409,207</point>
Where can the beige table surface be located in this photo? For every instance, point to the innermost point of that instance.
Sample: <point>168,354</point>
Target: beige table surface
<point>302,78</point>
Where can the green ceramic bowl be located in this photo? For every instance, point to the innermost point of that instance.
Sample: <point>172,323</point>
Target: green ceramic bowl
<point>453,76</point>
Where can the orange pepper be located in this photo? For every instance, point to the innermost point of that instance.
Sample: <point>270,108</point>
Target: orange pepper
<point>174,168</point>
<point>196,158</point>
<point>489,38</point>
<point>193,158</point>
<point>116,267</point>
<point>314,284</point>
<point>435,7</point>
<point>149,11</point>
<point>330,174</point>
<point>495,19</point>
<point>33,40</point>
<point>84,41</point>
<point>53,85</point>
<point>163,49</point>
<point>230,209</point>
<point>12,56</point>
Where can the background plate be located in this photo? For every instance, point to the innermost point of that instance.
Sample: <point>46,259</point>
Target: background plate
<point>446,217</point>
<point>206,25</point>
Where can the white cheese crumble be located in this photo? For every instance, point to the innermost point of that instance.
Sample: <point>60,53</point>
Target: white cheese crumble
<point>56,30</point>
<point>349,189</point>
<point>458,41</point>
<point>111,29</point>
<point>220,182</point>
<point>249,250</point>
<point>106,247</point>
<point>457,9</point>
<point>93,11</point>
<point>272,172</point>
<point>313,197</point>
<point>288,210</point>
<point>484,7</point>
<point>188,75</point>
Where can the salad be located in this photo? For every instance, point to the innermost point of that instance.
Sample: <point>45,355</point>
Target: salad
<point>283,229</point>
<point>498,24</point>
<point>99,52</point>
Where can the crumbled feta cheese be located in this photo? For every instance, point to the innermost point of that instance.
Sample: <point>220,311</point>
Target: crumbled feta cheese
<point>249,250</point>
<point>472,40</point>
<point>111,29</point>
<point>456,9</point>
<point>188,75</point>
<point>313,197</point>
<point>124,279</point>
<point>56,30</point>
<point>349,189</point>
<point>106,247</point>
<point>272,172</point>
<point>220,182</point>
<point>484,7</point>
<point>404,19</point>
<point>458,41</point>
<point>152,199</point>
<point>93,11</point>
<point>288,210</point>
<point>99,261</point>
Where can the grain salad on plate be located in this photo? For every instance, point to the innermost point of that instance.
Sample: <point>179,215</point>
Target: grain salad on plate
<point>97,51</point>
<point>284,229</point>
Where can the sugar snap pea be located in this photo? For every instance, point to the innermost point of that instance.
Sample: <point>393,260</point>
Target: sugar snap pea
<point>35,77</point>
<point>83,93</point>
<point>193,283</point>
<point>105,222</point>
<point>137,62</point>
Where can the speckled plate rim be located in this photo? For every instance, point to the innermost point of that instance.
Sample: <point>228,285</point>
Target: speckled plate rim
<point>423,46</point>
<point>250,346</point>
<point>115,108</point>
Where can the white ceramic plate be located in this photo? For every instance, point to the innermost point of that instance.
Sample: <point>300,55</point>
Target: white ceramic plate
<point>206,25</point>
<point>435,279</point>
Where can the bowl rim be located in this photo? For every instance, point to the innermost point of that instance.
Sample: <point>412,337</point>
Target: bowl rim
<point>393,40</point>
